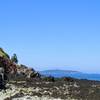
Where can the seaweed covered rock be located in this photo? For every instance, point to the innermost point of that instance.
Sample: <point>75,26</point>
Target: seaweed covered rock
<point>68,79</point>
<point>49,78</point>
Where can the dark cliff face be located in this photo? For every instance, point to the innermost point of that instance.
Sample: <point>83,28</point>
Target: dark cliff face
<point>4,71</point>
<point>8,65</point>
<point>6,68</point>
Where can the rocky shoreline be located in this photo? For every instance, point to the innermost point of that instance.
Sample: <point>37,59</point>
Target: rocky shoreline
<point>19,82</point>
<point>14,92</point>
<point>48,90</point>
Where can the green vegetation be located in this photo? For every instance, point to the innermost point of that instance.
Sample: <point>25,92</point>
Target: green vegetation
<point>3,53</point>
<point>14,58</point>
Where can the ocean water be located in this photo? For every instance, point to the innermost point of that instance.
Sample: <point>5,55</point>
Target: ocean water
<point>77,75</point>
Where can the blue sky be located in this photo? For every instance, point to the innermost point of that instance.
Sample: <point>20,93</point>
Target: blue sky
<point>52,34</point>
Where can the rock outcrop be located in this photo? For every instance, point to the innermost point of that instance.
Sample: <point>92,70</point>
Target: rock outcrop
<point>24,71</point>
<point>6,69</point>
<point>10,70</point>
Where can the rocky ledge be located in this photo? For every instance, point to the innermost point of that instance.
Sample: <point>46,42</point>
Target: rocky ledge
<point>59,89</point>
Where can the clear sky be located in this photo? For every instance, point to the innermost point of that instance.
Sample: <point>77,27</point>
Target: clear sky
<point>52,34</point>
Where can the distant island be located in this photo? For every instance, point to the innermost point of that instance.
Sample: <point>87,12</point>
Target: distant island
<point>70,73</point>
